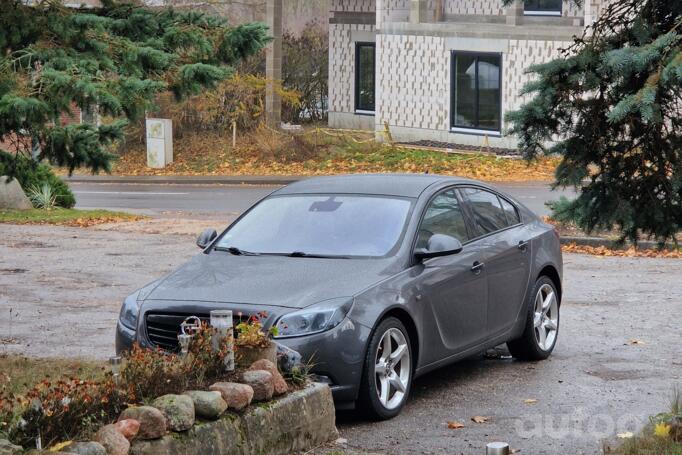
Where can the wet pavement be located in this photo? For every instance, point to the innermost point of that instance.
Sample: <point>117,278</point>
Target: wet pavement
<point>617,360</point>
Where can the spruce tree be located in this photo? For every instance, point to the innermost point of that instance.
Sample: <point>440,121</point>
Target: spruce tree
<point>115,59</point>
<point>611,107</point>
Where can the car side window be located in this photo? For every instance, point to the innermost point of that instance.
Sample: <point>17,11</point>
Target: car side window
<point>511,212</point>
<point>487,212</point>
<point>443,216</point>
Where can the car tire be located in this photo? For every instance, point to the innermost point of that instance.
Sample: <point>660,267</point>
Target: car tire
<point>542,323</point>
<point>376,405</point>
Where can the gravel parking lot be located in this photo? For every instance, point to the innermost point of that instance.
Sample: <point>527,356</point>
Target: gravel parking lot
<point>616,362</point>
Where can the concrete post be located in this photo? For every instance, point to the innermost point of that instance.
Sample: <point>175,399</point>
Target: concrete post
<point>273,64</point>
<point>418,11</point>
<point>515,13</point>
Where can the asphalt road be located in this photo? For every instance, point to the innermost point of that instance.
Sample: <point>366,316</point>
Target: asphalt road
<point>233,199</point>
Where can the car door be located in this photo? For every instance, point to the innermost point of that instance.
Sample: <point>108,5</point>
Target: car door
<point>455,293</point>
<point>504,250</point>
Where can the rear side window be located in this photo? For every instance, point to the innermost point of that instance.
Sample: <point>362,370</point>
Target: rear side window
<point>511,212</point>
<point>486,210</point>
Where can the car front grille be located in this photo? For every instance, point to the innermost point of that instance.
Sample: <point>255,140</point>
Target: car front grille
<point>163,328</point>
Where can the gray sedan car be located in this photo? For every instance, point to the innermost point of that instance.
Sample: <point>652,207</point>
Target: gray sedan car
<point>376,279</point>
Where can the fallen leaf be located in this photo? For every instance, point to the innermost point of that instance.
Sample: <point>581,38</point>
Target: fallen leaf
<point>455,425</point>
<point>634,341</point>
<point>60,446</point>
<point>662,430</point>
<point>480,419</point>
<point>530,401</point>
<point>626,435</point>
<point>514,450</point>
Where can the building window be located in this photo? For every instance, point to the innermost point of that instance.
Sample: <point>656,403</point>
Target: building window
<point>542,7</point>
<point>476,91</point>
<point>365,77</point>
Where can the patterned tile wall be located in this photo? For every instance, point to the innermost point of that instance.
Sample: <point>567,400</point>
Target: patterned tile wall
<point>413,87</point>
<point>522,54</point>
<point>487,7</point>
<point>342,65</point>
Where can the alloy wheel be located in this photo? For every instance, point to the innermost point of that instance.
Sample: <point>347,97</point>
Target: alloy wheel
<point>392,368</point>
<point>546,317</point>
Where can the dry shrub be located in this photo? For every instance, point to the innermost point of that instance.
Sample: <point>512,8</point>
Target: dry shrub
<point>240,99</point>
<point>268,145</point>
<point>61,411</point>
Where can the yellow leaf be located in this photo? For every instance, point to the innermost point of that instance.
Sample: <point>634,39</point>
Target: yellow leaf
<point>455,425</point>
<point>60,446</point>
<point>530,401</point>
<point>480,419</point>
<point>662,430</point>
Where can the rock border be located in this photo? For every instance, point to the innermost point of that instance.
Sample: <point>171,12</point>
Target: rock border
<point>294,423</point>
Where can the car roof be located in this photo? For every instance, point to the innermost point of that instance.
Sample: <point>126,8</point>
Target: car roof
<point>402,185</point>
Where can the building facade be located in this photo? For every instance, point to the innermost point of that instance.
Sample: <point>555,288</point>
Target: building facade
<point>441,70</point>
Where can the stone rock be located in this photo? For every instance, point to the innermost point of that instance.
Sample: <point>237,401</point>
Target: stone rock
<point>6,447</point>
<point>279,383</point>
<point>128,428</point>
<point>207,405</point>
<point>12,196</point>
<point>261,382</point>
<point>178,411</point>
<point>113,441</point>
<point>288,359</point>
<point>237,396</point>
<point>152,421</point>
<point>86,448</point>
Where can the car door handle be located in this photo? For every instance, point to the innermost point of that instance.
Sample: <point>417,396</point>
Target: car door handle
<point>523,245</point>
<point>477,267</point>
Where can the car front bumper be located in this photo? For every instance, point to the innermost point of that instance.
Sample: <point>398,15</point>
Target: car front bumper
<point>337,354</point>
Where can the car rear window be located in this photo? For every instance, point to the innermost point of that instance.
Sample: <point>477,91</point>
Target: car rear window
<point>511,212</point>
<point>486,210</point>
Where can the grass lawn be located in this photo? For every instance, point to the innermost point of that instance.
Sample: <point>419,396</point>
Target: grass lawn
<point>321,152</point>
<point>65,217</point>
<point>19,374</point>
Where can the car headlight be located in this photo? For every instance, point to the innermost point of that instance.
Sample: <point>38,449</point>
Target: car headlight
<point>130,310</point>
<point>314,319</point>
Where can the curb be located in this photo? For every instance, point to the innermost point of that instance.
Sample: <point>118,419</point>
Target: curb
<point>609,243</point>
<point>187,180</point>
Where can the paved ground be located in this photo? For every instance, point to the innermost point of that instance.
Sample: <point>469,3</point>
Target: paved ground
<point>155,198</point>
<point>65,285</point>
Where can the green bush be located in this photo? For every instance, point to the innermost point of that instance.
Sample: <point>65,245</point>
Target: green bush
<point>33,175</point>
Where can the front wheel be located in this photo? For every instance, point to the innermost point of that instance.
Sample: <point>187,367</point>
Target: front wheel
<point>387,374</point>
<point>542,323</point>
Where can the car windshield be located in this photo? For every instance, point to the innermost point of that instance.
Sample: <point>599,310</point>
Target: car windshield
<point>320,225</point>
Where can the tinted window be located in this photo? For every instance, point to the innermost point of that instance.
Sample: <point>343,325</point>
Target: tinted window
<point>512,215</point>
<point>476,91</point>
<point>321,225</point>
<point>364,76</point>
<point>443,216</point>
<point>542,6</point>
<point>486,209</point>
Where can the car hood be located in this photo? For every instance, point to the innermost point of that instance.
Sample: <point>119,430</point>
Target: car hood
<point>268,280</point>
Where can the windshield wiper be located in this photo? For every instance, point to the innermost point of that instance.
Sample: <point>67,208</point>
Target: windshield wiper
<point>301,254</point>
<point>236,251</point>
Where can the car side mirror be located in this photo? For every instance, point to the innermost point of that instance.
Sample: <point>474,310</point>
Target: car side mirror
<point>206,237</point>
<point>439,245</point>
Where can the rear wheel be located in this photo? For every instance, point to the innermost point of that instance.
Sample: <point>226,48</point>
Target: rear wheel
<point>542,323</point>
<point>387,374</point>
